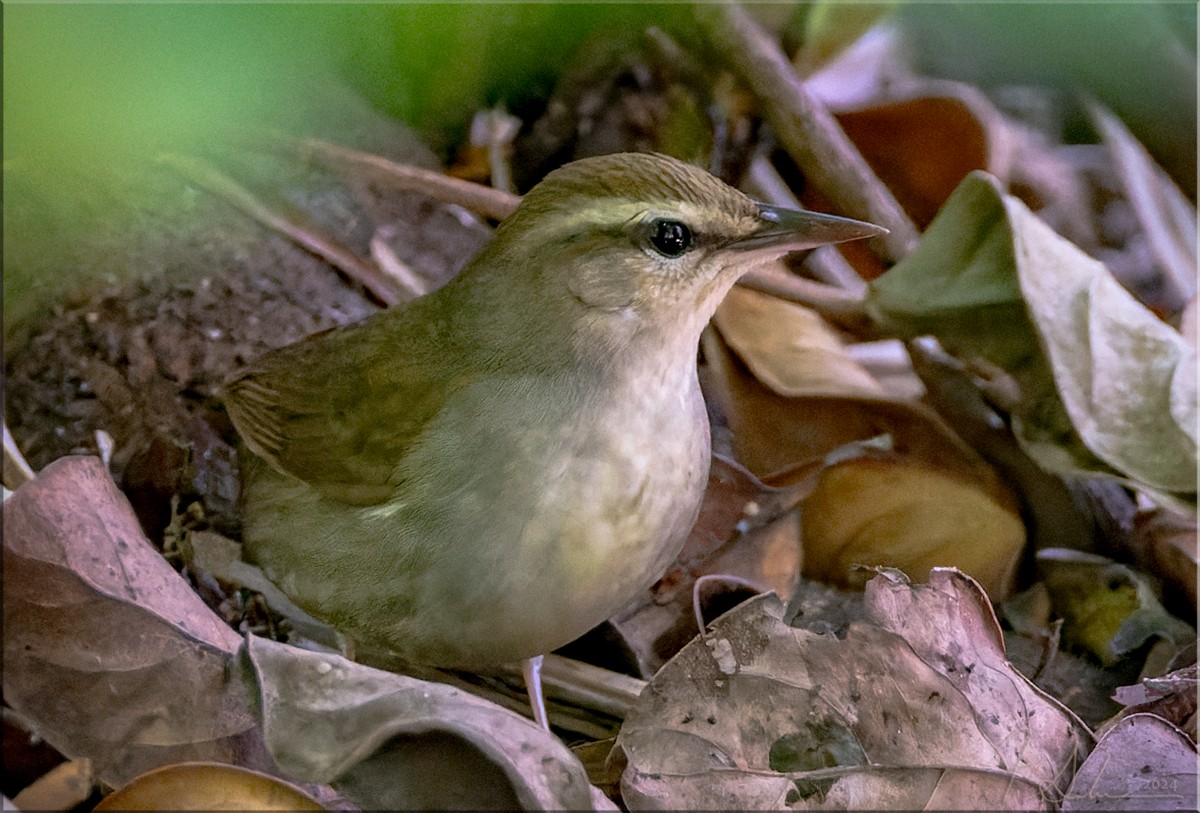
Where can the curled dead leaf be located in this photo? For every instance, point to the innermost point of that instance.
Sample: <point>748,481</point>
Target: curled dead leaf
<point>1105,387</point>
<point>783,438</point>
<point>389,741</point>
<point>789,347</point>
<point>1142,763</point>
<point>883,510</point>
<point>107,651</point>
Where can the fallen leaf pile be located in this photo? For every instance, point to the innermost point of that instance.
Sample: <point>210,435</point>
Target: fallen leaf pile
<point>965,452</point>
<point>913,707</point>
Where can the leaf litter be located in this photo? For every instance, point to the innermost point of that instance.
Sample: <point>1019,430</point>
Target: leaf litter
<point>825,759</point>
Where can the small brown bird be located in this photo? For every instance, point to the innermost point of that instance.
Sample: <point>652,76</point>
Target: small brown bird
<point>484,474</point>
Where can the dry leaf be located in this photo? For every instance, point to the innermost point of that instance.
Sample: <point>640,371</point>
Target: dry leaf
<point>65,787</point>
<point>1105,386</point>
<point>107,651</point>
<point>207,786</point>
<point>1172,697</point>
<point>881,509</point>
<point>1163,542</point>
<point>1166,216</point>
<point>922,147</point>
<point>957,512</point>
<point>1142,763</point>
<point>914,707</point>
<point>783,439</point>
<point>389,742</point>
<point>1057,512</point>
<point>789,347</point>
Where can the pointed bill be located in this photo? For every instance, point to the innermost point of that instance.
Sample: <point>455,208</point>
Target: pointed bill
<point>785,230</point>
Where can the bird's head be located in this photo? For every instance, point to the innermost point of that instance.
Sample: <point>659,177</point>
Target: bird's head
<point>634,243</point>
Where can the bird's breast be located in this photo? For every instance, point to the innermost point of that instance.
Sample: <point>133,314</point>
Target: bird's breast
<point>568,508</point>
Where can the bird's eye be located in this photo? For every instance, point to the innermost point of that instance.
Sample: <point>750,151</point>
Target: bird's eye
<point>670,238</point>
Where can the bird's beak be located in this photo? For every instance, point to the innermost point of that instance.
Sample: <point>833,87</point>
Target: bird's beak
<point>785,230</point>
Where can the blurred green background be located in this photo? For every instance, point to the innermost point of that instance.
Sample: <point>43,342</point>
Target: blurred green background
<point>93,89</point>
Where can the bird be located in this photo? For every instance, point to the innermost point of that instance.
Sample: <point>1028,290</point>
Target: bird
<point>483,474</point>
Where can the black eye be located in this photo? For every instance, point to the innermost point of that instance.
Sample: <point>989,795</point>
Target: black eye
<point>670,238</point>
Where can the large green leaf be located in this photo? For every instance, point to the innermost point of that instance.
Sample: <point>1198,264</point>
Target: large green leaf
<point>1105,386</point>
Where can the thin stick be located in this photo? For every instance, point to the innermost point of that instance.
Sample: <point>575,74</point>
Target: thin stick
<point>805,127</point>
<point>17,471</point>
<point>324,246</point>
<point>827,299</point>
<point>825,262</point>
<point>484,200</point>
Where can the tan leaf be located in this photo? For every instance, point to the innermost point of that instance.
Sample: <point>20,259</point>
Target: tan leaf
<point>389,741</point>
<point>1142,763</point>
<point>789,347</point>
<point>207,786</point>
<point>884,510</point>
<point>783,439</point>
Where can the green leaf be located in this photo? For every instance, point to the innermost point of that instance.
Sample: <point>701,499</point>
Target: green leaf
<point>1109,609</point>
<point>1105,386</point>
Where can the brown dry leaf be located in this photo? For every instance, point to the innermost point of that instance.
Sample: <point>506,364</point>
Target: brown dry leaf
<point>1163,542</point>
<point>65,787</point>
<point>1142,763</point>
<point>884,510</point>
<point>207,786</point>
<point>1055,513</point>
<point>789,347</point>
<point>782,439</point>
<point>915,707</point>
<point>389,741</point>
<point>922,147</point>
<point>1172,697</point>
<point>923,135</point>
<point>956,511</point>
<point>107,651</point>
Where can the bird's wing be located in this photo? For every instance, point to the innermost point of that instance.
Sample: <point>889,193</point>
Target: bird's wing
<point>339,410</point>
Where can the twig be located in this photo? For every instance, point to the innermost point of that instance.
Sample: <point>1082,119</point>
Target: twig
<point>581,698</point>
<point>829,300</point>
<point>17,470</point>
<point>324,246</point>
<point>825,262</point>
<point>805,127</point>
<point>590,686</point>
<point>484,200</point>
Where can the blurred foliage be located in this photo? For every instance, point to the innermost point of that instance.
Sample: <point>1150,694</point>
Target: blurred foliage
<point>91,90</point>
<point>1138,58</point>
<point>94,92</point>
<point>86,82</point>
